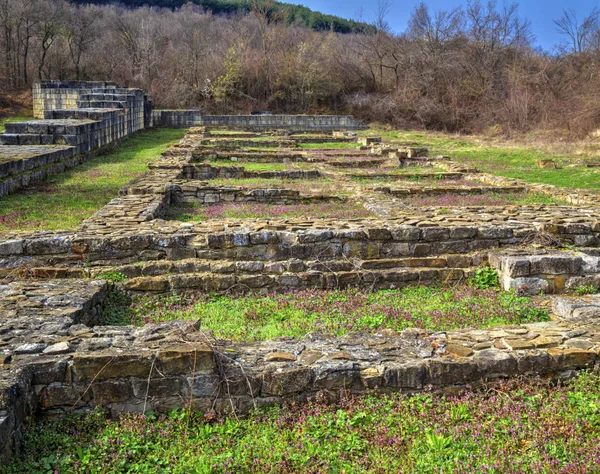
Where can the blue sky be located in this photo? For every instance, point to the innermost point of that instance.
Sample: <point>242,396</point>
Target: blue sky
<point>541,13</point>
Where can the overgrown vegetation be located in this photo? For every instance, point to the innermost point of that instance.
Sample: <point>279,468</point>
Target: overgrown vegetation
<point>517,426</point>
<point>255,210</point>
<point>259,317</point>
<point>464,69</point>
<point>64,200</point>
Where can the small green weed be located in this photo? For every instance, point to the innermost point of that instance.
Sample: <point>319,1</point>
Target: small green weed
<point>112,276</point>
<point>485,278</point>
<point>585,290</point>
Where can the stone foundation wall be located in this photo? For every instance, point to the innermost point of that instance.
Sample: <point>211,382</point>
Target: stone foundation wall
<point>59,361</point>
<point>189,192</point>
<point>297,123</point>
<point>548,272</point>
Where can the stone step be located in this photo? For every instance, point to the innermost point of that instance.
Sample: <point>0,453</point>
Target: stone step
<point>161,267</point>
<point>26,139</point>
<point>272,282</point>
<point>156,268</point>
<point>101,104</point>
<point>52,127</point>
<point>376,163</point>
<point>582,307</point>
<point>241,142</point>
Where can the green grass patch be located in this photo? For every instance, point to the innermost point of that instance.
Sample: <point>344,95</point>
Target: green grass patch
<point>477,199</point>
<point>510,160</point>
<point>520,426</point>
<point>4,121</point>
<point>64,200</point>
<point>259,317</point>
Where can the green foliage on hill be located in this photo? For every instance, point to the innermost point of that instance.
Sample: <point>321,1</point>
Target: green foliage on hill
<point>291,14</point>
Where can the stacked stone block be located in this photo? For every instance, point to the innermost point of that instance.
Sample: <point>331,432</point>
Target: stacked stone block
<point>83,116</point>
<point>548,272</point>
<point>296,123</point>
<point>54,95</point>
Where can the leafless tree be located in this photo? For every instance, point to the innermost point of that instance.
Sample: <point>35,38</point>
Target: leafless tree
<point>581,35</point>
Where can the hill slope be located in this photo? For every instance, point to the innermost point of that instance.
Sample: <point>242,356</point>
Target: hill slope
<point>293,14</point>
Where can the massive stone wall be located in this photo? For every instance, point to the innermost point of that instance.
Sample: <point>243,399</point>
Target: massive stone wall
<point>299,123</point>
<point>76,119</point>
<point>60,95</point>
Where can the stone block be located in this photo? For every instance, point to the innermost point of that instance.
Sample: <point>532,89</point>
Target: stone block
<point>11,247</point>
<point>111,391</point>
<point>444,372</point>
<point>525,285</point>
<point>571,358</point>
<point>555,265</point>
<point>435,234</point>
<point>379,234</point>
<point>494,363</point>
<point>405,376</point>
<point>111,365</point>
<point>161,387</point>
<point>406,233</point>
<point>185,358</point>
<point>287,382</point>
<point>65,395</point>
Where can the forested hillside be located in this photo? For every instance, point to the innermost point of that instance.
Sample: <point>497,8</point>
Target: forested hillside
<point>291,14</point>
<point>468,69</point>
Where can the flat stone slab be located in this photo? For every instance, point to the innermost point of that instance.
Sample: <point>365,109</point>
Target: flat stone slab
<point>23,152</point>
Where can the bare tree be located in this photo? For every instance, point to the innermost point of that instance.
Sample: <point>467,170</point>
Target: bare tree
<point>580,36</point>
<point>81,32</point>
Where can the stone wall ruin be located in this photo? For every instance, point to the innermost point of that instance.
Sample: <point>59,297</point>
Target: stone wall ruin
<point>57,353</point>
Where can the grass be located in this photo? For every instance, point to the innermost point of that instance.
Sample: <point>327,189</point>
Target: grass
<point>254,210</point>
<point>487,199</point>
<point>259,317</point>
<point>513,160</point>
<point>520,426</point>
<point>64,200</point>
<point>322,186</point>
<point>4,121</point>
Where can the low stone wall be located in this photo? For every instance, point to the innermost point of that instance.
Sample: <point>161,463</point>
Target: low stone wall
<point>547,272</point>
<point>20,166</point>
<point>296,123</point>
<point>190,192</point>
<point>206,171</point>
<point>58,360</point>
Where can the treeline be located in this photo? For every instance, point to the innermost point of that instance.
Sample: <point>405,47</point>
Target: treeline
<point>290,14</point>
<point>466,69</point>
